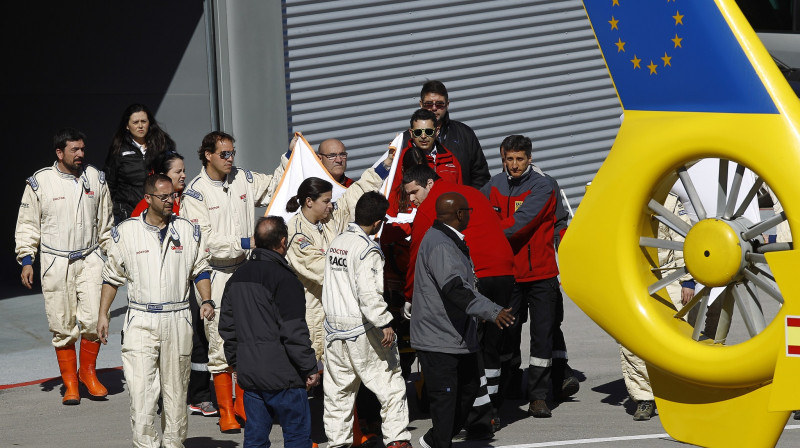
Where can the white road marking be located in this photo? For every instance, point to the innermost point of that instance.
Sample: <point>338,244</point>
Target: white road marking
<point>585,441</point>
<point>603,440</point>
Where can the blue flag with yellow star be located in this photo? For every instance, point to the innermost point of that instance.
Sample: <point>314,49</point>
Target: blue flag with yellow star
<point>676,55</point>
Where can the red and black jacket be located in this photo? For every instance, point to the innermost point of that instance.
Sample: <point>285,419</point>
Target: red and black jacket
<point>440,159</point>
<point>526,207</point>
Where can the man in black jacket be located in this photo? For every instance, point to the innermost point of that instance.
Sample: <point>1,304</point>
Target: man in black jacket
<point>456,136</point>
<point>262,322</point>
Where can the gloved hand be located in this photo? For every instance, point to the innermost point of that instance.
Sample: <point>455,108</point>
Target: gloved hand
<point>407,310</point>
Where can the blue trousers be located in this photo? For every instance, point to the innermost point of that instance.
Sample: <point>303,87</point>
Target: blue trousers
<point>289,406</point>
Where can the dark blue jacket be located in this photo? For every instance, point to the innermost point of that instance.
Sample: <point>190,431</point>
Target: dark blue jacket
<point>262,321</point>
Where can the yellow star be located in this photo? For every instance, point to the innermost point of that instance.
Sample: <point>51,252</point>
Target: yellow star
<point>620,45</point>
<point>677,40</point>
<point>614,2</point>
<point>666,60</point>
<point>613,23</point>
<point>636,62</point>
<point>678,18</point>
<point>652,68</point>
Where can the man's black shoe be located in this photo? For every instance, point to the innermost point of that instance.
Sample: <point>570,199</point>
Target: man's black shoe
<point>539,409</point>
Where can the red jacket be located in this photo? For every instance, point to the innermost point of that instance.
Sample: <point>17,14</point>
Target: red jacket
<point>526,207</point>
<point>347,182</point>
<point>442,161</point>
<point>393,241</point>
<point>488,247</point>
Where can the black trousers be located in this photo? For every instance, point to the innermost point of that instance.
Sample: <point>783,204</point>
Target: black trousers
<point>546,308</point>
<point>452,382</point>
<point>199,376</point>
<point>498,290</point>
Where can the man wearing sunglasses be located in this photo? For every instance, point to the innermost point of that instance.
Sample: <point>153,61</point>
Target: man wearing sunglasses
<point>333,155</point>
<point>444,325</point>
<point>222,201</point>
<point>494,269</point>
<point>423,136</point>
<point>456,136</point>
<point>158,254</point>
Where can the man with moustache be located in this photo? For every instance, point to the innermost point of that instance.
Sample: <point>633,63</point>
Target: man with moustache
<point>66,215</point>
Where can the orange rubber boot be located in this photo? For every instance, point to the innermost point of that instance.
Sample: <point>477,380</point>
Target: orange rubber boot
<point>359,438</point>
<point>87,374</point>
<point>223,386</point>
<point>238,408</point>
<point>68,365</point>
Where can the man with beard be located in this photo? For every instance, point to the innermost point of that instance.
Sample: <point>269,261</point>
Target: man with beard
<point>65,214</point>
<point>158,254</point>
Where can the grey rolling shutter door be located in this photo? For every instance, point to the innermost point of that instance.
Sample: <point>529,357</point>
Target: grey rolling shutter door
<point>354,70</point>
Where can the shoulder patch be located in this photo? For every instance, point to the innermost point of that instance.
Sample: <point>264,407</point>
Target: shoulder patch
<point>196,233</point>
<point>248,175</point>
<point>371,246</point>
<point>193,194</point>
<point>115,234</point>
<point>33,182</point>
<point>301,239</point>
<point>335,206</point>
<point>102,177</point>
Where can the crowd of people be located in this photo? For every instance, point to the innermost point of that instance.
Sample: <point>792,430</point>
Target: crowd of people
<point>450,265</point>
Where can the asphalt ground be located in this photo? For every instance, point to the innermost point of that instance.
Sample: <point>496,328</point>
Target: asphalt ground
<point>599,415</point>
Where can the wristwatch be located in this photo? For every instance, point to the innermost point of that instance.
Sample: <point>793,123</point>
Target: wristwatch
<point>209,301</point>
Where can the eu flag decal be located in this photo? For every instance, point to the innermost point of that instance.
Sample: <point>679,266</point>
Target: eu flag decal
<point>676,55</point>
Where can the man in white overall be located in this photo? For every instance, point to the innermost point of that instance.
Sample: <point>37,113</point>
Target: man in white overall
<point>158,254</point>
<point>360,343</point>
<point>65,214</point>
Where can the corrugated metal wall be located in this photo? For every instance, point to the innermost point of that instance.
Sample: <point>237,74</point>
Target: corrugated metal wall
<point>354,70</point>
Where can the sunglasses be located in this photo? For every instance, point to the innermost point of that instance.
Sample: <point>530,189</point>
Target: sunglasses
<point>431,104</point>
<point>164,197</point>
<point>418,132</point>
<point>332,157</point>
<point>225,155</point>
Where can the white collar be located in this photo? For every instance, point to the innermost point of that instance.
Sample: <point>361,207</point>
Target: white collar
<point>141,148</point>
<point>459,234</point>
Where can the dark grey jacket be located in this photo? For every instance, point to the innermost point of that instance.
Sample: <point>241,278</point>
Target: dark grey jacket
<point>262,321</point>
<point>446,302</point>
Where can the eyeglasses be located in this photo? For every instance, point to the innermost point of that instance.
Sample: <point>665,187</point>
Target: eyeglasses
<point>332,157</point>
<point>468,210</point>
<point>164,197</point>
<point>225,155</point>
<point>418,132</point>
<point>433,105</point>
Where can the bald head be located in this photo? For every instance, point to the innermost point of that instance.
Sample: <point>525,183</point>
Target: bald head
<point>333,155</point>
<point>452,209</point>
